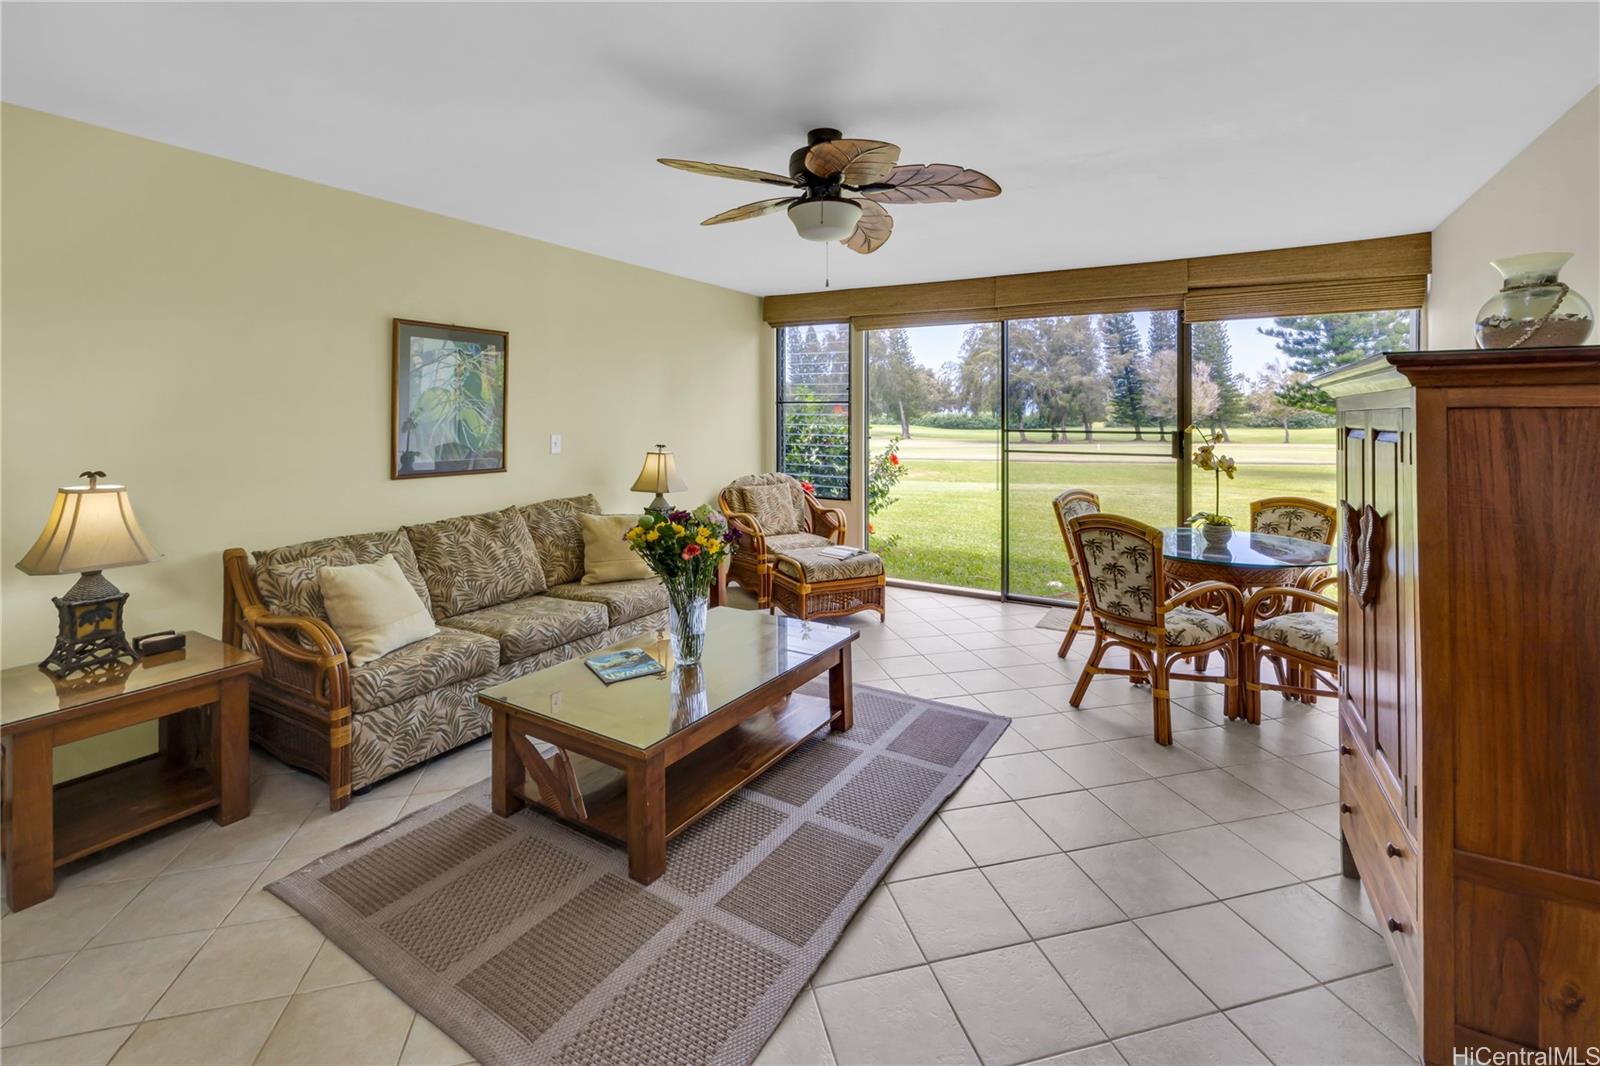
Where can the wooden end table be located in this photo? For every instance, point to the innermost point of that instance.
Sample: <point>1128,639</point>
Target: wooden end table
<point>203,763</point>
<point>639,761</point>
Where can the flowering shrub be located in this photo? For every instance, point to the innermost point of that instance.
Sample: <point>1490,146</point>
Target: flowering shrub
<point>883,473</point>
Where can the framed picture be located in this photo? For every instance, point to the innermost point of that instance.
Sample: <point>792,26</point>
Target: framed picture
<point>448,411</point>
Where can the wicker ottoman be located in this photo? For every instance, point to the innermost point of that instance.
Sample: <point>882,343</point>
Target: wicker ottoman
<point>809,584</point>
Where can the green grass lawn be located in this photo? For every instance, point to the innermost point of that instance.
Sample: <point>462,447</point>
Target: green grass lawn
<point>946,516</point>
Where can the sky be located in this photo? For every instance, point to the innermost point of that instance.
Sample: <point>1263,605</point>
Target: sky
<point>934,346</point>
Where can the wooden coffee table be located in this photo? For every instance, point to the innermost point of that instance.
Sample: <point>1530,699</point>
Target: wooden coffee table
<point>639,761</point>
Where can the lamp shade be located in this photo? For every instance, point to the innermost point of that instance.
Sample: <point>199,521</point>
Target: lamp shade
<point>659,474</point>
<point>91,527</point>
<point>825,220</point>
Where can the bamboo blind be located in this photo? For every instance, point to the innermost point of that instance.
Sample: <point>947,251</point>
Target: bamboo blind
<point>1379,274</point>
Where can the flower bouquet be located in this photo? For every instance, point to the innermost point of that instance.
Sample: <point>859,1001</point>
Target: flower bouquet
<point>684,549</point>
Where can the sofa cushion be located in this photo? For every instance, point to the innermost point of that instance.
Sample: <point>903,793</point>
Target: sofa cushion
<point>448,656</point>
<point>607,553</point>
<point>476,561</point>
<point>286,577</point>
<point>624,600</point>
<point>528,626</point>
<point>553,524</point>
<point>373,609</point>
<point>788,542</point>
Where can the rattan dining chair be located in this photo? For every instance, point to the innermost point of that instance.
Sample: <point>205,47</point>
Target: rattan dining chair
<point>1293,516</point>
<point>1121,560</point>
<point>1070,504</point>
<point>1302,645</point>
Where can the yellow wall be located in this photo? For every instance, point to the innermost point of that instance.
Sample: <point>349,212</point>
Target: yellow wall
<point>1547,199</point>
<point>217,337</point>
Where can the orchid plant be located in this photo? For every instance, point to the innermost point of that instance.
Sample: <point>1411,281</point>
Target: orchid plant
<point>1206,458</point>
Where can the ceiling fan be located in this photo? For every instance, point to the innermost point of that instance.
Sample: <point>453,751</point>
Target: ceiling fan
<point>844,184</point>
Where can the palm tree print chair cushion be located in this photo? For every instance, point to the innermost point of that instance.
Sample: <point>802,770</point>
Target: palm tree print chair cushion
<point>1067,506</point>
<point>1122,572</point>
<point>1293,516</point>
<point>1312,632</point>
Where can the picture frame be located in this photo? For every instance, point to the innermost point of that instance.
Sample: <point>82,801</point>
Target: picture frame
<point>447,407</point>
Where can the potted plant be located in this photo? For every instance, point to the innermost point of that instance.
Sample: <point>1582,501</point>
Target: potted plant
<point>684,549</point>
<point>1215,527</point>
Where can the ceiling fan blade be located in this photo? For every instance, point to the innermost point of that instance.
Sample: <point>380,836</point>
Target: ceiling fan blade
<point>932,183</point>
<point>722,170</point>
<point>856,162</point>
<point>872,231</point>
<point>755,210</point>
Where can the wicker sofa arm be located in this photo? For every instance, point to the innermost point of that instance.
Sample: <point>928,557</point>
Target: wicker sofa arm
<point>300,654</point>
<point>825,521</point>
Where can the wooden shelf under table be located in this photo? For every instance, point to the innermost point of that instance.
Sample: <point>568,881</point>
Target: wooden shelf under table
<point>96,812</point>
<point>699,782</point>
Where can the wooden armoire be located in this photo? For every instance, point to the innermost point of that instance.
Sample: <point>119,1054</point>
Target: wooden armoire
<point>1470,685</point>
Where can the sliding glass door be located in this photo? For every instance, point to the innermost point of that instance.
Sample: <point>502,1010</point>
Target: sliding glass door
<point>933,453</point>
<point>1092,402</point>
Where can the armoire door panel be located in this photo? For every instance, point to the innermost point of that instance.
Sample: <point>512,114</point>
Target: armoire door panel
<point>1524,511</point>
<point>1384,615</point>
<point>1353,668</point>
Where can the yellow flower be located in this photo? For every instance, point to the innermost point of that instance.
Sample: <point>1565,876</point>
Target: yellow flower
<point>654,534</point>
<point>677,529</point>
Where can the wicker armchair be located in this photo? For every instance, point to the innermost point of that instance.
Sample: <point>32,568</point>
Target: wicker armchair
<point>1121,560</point>
<point>1070,504</point>
<point>752,564</point>
<point>300,703</point>
<point>1302,645</point>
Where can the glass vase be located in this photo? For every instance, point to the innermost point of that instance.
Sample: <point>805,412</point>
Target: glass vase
<point>1534,307</point>
<point>686,625</point>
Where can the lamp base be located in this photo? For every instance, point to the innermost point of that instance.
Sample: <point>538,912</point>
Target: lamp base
<point>91,633</point>
<point>659,505</point>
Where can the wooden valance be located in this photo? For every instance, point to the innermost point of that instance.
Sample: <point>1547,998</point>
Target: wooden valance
<point>1377,274</point>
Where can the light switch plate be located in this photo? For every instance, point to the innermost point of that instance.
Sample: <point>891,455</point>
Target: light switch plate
<point>555,444</point>
<point>555,700</point>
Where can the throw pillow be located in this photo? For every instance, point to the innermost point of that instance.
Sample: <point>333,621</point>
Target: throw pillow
<point>606,556</point>
<point>373,608</point>
<point>773,507</point>
<point>476,561</point>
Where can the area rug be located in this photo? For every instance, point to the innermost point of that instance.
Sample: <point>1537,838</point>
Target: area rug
<point>1057,618</point>
<point>526,942</point>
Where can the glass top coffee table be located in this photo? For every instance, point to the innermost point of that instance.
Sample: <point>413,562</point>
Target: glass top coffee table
<point>640,761</point>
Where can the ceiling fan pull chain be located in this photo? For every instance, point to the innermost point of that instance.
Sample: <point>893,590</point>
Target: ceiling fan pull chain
<point>827,280</point>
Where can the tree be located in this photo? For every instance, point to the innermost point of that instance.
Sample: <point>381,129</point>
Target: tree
<point>816,382</point>
<point>1209,346</point>
<point>1056,372</point>
<point>1267,399</point>
<point>1161,389</point>
<point>1316,344</point>
<point>973,383</point>
<point>899,386</point>
<point>1125,362</point>
<point>1163,332</point>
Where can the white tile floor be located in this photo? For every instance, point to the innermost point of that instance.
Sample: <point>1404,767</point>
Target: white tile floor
<point>1087,897</point>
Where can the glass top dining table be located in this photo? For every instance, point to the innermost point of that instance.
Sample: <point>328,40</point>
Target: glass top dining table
<point>1250,551</point>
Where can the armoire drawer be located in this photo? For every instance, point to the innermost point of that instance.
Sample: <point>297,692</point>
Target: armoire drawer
<point>1382,880</point>
<point>1360,792</point>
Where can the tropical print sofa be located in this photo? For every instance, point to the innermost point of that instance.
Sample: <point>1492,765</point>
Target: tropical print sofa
<point>505,591</point>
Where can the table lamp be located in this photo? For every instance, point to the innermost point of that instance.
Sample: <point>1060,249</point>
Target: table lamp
<point>91,528</point>
<point>660,475</point>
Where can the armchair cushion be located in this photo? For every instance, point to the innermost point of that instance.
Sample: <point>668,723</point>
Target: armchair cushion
<point>448,656</point>
<point>1185,626</point>
<point>624,601</point>
<point>477,561</point>
<point>788,542</point>
<point>1313,632</point>
<point>553,525</point>
<point>287,577</point>
<point>771,506</point>
<point>812,566</point>
<point>529,626</point>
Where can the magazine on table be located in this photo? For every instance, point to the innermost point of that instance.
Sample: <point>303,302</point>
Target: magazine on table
<point>622,665</point>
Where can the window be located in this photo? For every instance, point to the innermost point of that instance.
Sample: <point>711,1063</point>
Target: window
<point>814,407</point>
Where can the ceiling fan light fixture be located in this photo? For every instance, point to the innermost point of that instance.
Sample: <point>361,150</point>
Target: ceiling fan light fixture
<point>829,219</point>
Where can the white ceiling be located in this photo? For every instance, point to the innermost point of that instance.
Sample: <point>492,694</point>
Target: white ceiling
<point>1120,132</point>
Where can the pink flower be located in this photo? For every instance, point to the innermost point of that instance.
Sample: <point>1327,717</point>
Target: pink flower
<point>691,550</point>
